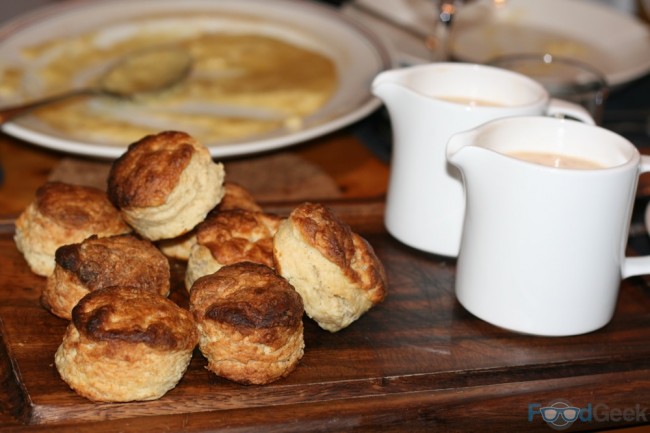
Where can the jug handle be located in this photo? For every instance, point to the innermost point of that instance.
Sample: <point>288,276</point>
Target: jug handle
<point>633,266</point>
<point>562,108</point>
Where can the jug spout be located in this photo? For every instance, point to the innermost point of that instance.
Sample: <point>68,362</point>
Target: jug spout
<point>394,88</point>
<point>461,149</point>
<point>413,114</point>
<point>387,82</point>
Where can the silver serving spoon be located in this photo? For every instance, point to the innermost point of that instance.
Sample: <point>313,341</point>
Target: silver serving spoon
<point>138,74</point>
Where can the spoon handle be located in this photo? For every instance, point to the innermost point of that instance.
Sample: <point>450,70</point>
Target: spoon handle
<point>9,113</point>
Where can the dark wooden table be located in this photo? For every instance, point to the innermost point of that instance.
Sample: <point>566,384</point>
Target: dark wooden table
<point>417,362</point>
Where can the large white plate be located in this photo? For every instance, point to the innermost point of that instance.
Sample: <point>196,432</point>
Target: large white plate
<point>612,41</point>
<point>358,55</point>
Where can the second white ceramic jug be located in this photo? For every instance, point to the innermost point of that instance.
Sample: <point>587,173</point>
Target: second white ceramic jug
<point>428,104</point>
<point>549,203</point>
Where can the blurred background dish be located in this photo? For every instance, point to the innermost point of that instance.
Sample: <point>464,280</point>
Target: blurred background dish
<point>563,78</point>
<point>485,29</point>
<point>27,43</point>
<point>613,42</point>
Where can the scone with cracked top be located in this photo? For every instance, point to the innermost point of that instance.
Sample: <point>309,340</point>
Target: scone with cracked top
<point>125,344</point>
<point>165,184</point>
<point>235,197</point>
<point>62,214</point>
<point>335,270</point>
<point>250,323</point>
<point>121,260</point>
<point>231,236</point>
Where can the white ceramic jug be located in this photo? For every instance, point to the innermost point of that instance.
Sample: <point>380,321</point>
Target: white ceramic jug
<point>425,203</point>
<point>543,248</point>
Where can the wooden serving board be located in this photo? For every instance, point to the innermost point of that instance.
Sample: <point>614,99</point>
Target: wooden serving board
<point>419,357</point>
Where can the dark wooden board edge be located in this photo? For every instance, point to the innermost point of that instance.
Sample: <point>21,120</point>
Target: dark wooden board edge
<point>448,410</point>
<point>14,405</point>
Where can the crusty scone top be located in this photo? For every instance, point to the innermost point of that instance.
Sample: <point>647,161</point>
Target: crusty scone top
<point>116,260</point>
<point>150,169</point>
<point>78,206</point>
<point>336,241</point>
<point>131,315</point>
<point>370,269</point>
<point>249,297</point>
<point>323,230</point>
<point>237,197</point>
<point>239,235</point>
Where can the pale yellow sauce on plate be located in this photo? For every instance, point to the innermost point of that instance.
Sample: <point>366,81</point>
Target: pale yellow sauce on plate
<point>281,82</point>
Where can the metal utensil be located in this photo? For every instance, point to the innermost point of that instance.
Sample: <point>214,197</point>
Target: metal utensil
<point>435,39</point>
<point>143,72</point>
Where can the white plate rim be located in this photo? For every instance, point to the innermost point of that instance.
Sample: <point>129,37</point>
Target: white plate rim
<point>367,102</point>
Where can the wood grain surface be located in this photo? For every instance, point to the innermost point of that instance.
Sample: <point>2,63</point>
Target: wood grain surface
<point>416,361</point>
<point>335,166</point>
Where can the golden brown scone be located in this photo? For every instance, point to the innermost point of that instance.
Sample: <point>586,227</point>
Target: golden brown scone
<point>165,184</point>
<point>235,197</point>
<point>179,247</point>
<point>126,344</point>
<point>250,323</point>
<point>229,237</point>
<point>122,260</point>
<point>334,269</point>
<point>62,214</point>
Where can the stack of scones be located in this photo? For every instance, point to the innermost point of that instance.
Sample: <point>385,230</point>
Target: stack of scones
<point>251,275</point>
